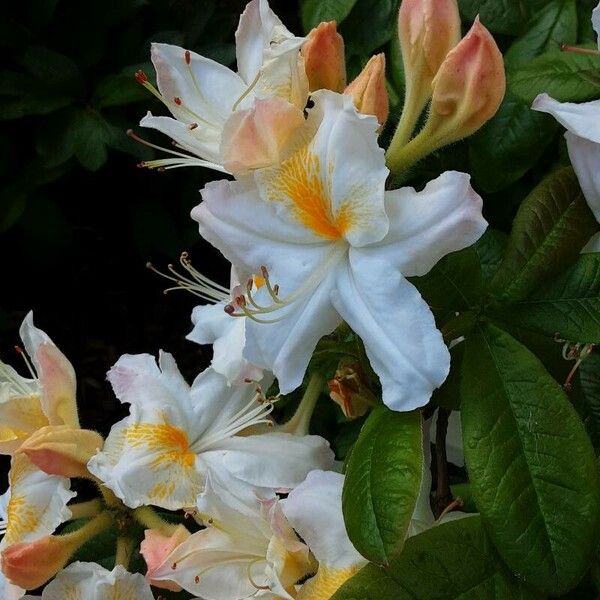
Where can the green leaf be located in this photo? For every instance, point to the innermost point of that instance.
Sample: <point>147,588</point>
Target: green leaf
<point>510,144</point>
<point>455,284</point>
<point>566,76</point>
<point>589,383</point>
<point>117,90</point>
<point>370,25</point>
<point>531,466</point>
<point>490,248</point>
<point>451,561</point>
<point>551,26</point>
<point>315,11</point>
<point>382,483</point>
<point>88,134</point>
<point>499,16</point>
<point>551,227</point>
<point>568,307</point>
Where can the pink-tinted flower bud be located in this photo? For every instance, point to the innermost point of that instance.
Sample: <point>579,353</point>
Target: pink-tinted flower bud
<point>258,137</point>
<point>349,390</point>
<point>324,60</point>
<point>60,450</point>
<point>428,30</point>
<point>368,89</point>
<point>468,89</point>
<point>155,549</point>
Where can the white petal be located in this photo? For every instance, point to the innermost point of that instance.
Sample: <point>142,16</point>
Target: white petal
<point>585,157</point>
<point>203,141</point>
<point>596,22</point>
<point>89,581</point>
<point>275,460</point>
<point>427,225</point>
<point>581,119</point>
<point>212,325</point>
<point>8,591</point>
<point>593,244</point>
<point>314,509</point>
<point>207,89</point>
<point>396,325</point>
<point>33,492</point>
<point>258,27</point>
<point>334,185</point>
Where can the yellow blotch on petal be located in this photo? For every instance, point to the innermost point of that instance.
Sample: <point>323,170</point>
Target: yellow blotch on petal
<point>299,184</point>
<point>22,519</point>
<point>170,443</point>
<point>325,583</point>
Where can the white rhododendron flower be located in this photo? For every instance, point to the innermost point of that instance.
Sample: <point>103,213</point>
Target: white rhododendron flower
<point>232,121</point>
<point>314,510</point>
<point>89,581</point>
<point>33,507</point>
<point>248,549</point>
<point>582,122</point>
<point>47,398</point>
<point>175,434</point>
<point>333,245</point>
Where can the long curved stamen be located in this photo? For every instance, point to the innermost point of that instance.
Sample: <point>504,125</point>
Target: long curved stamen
<point>577,50</point>
<point>195,282</point>
<point>246,92</point>
<point>254,311</point>
<point>255,412</point>
<point>251,579</point>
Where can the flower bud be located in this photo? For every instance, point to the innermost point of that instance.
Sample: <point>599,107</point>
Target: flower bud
<point>468,89</point>
<point>324,60</point>
<point>60,450</point>
<point>155,549</point>
<point>368,89</point>
<point>348,389</point>
<point>258,137</point>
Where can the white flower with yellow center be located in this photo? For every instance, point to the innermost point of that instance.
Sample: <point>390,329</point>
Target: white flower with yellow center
<point>47,398</point>
<point>33,507</point>
<point>332,244</point>
<point>582,122</point>
<point>176,434</point>
<point>248,549</point>
<point>89,581</point>
<point>231,121</point>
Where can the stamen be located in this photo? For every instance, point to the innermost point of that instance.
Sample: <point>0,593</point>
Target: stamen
<point>27,361</point>
<point>576,50</point>
<point>248,90</point>
<point>195,283</point>
<point>251,579</point>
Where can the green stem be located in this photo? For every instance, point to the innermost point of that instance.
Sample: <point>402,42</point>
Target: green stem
<point>125,547</point>
<point>87,509</point>
<point>299,424</point>
<point>147,516</point>
<point>90,530</point>
<point>401,159</point>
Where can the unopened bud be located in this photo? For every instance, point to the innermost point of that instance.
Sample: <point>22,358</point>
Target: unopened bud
<point>368,90</point>
<point>349,390</point>
<point>258,137</point>
<point>156,548</point>
<point>324,60</point>
<point>30,565</point>
<point>60,450</point>
<point>468,89</point>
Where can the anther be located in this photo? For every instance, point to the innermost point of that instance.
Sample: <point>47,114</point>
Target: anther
<point>264,271</point>
<point>177,100</point>
<point>187,57</point>
<point>141,77</point>
<point>174,566</point>
<point>192,126</point>
<point>229,309</point>
<point>196,579</point>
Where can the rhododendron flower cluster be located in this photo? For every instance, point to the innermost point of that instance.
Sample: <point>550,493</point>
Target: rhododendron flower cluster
<point>220,483</point>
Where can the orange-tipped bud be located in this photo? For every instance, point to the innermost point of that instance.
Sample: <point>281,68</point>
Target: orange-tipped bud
<point>428,30</point>
<point>349,390</point>
<point>30,565</point>
<point>324,60</point>
<point>368,89</point>
<point>468,88</point>
<point>60,450</point>
<point>155,549</point>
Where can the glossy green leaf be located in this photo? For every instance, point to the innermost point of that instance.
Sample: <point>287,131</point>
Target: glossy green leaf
<point>589,383</point>
<point>566,76</point>
<point>551,26</point>
<point>568,308</point>
<point>551,227</point>
<point>510,144</point>
<point>455,283</point>
<point>315,11</point>
<point>499,16</point>
<point>88,134</point>
<point>382,483</point>
<point>490,248</point>
<point>448,562</point>
<point>531,466</point>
